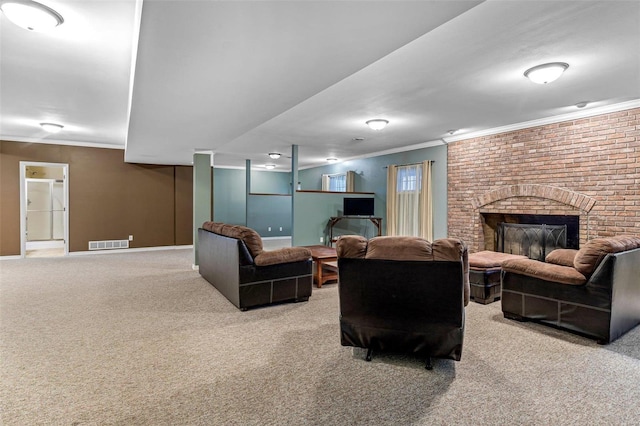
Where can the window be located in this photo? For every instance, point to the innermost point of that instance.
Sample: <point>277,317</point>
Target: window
<point>338,182</point>
<point>409,178</point>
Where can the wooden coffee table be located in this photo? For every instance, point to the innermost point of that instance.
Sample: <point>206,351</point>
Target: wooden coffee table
<point>321,255</point>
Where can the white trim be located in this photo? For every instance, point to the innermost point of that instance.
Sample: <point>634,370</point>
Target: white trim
<point>84,253</point>
<point>129,250</point>
<point>61,142</point>
<point>589,112</point>
<point>284,237</point>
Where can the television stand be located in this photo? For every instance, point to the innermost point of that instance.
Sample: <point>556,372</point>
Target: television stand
<point>333,221</point>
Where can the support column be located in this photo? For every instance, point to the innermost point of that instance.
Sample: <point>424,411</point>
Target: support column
<point>202,195</point>
<point>294,187</point>
<point>247,168</point>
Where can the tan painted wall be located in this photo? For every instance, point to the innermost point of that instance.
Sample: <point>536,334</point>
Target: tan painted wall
<point>108,198</point>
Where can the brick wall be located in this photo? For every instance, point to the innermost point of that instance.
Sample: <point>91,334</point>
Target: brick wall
<point>588,167</point>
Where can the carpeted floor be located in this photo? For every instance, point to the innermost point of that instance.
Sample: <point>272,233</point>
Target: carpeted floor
<point>141,339</point>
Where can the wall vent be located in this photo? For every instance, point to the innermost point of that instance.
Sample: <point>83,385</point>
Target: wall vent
<point>108,245</point>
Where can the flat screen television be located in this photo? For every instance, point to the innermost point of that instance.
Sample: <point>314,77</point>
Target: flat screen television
<point>358,207</point>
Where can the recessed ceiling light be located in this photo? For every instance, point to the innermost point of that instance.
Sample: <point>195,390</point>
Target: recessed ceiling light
<point>332,159</point>
<point>274,155</point>
<point>582,104</point>
<point>546,73</point>
<point>269,166</point>
<point>51,127</point>
<point>357,139</point>
<point>377,123</point>
<point>31,15</point>
<point>453,131</point>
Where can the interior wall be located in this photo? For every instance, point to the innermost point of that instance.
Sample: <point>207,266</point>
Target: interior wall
<point>596,157</point>
<point>108,198</point>
<point>371,176</point>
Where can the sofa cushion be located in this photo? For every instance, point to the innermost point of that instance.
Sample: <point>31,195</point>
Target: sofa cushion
<point>251,238</point>
<point>563,257</point>
<point>399,248</point>
<point>545,271</point>
<point>352,246</point>
<point>283,255</point>
<point>491,259</point>
<point>591,254</point>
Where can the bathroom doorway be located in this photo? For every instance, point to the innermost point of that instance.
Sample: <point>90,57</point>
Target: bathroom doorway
<point>44,215</point>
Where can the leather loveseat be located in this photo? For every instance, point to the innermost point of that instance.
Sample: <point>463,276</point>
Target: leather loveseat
<point>232,258</point>
<point>594,291</point>
<point>403,294</point>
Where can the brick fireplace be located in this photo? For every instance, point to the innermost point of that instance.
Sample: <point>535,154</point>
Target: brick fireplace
<point>587,168</point>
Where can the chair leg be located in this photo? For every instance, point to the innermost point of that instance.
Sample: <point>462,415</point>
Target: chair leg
<point>369,352</point>
<point>429,366</point>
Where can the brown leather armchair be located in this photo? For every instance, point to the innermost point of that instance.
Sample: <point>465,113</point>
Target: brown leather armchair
<point>403,294</point>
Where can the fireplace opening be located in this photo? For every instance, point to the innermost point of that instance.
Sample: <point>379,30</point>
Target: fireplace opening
<point>532,235</point>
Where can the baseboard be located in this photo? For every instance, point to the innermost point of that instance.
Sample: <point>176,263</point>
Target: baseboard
<point>129,250</point>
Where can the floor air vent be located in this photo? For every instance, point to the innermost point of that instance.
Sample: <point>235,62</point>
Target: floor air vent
<point>108,245</point>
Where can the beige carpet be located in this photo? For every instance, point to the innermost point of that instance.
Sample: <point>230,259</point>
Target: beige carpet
<point>141,339</point>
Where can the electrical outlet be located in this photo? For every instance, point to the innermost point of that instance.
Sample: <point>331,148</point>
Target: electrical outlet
<point>322,239</point>
<point>269,229</point>
<point>130,237</point>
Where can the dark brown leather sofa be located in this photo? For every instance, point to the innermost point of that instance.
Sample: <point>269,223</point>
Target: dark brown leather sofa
<point>594,291</point>
<point>232,258</point>
<point>403,294</point>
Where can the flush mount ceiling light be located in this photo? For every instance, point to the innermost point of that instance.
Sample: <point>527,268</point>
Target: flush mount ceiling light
<point>269,166</point>
<point>274,155</point>
<point>377,123</point>
<point>332,159</point>
<point>31,15</point>
<point>546,73</point>
<point>51,127</point>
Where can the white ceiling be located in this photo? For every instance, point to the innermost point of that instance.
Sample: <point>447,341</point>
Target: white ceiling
<point>165,78</point>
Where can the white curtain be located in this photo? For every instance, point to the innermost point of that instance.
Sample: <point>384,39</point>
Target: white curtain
<point>409,200</point>
<point>339,182</point>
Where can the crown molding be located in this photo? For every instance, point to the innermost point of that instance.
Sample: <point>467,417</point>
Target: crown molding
<point>61,142</point>
<point>590,112</point>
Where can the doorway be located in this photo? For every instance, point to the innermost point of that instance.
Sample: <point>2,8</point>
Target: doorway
<point>44,213</point>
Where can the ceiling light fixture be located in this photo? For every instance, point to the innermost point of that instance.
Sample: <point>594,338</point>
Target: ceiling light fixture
<point>269,166</point>
<point>546,73</point>
<point>274,155</point>
<point>377,123</point>
<point>332,159</point>
<point>453,131</point>
<point>51,127</point>
<point>582,104</point>
<point>31,15</point>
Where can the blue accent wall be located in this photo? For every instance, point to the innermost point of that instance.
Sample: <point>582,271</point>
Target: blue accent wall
<point>269,211</point>
<point>371,176</point>
<point>229,198</point>
<point>270,182</point>
<point>230,203</point>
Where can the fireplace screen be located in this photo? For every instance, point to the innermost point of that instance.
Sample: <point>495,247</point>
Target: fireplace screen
<point>533,241</point>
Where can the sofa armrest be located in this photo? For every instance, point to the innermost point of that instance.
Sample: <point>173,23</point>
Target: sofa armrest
<point>283,255</point>
<point>544,271</point>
